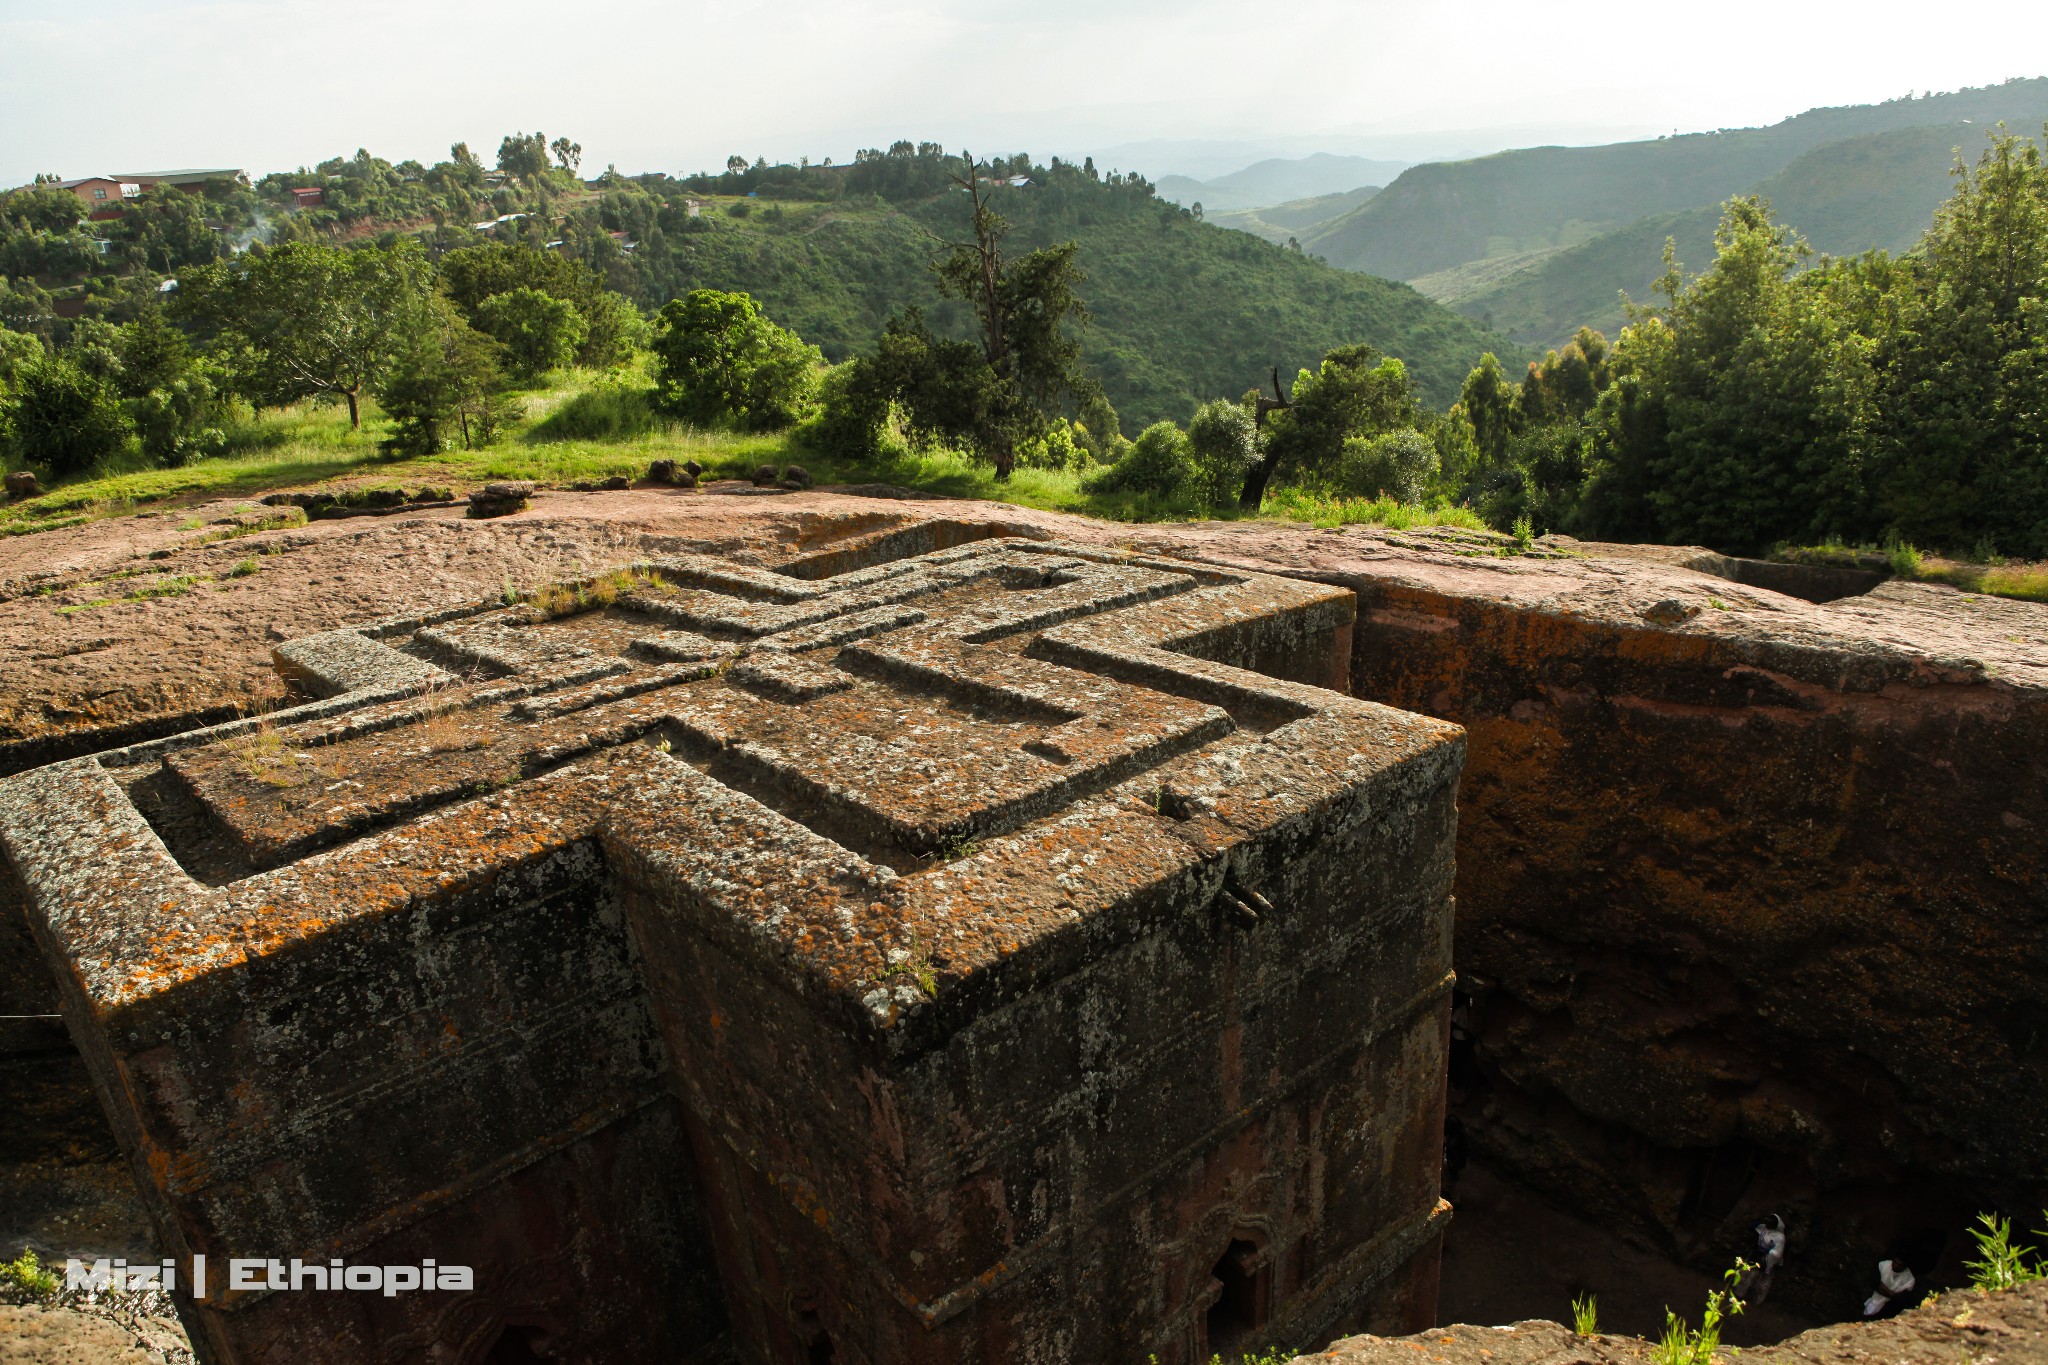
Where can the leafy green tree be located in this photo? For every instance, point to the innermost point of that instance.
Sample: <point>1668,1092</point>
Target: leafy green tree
<point>941,390</point>
<point>1564,385</point>
<point>448,386</point>
<point>612,327</point>
<point>538,331</point>
<point>1101,433</point>
<point>568,155</point>
<point>18,350</point>
<point>165,230</point>
<point>173,398</point>
<point>306,321</point>
<point>524,155</point>
<point>1025,308</point>
<point>1962,445</point>
<point>1487,402</point>
<point>42,208</point>
<point>1626,433</point>
<point>613,330</point>
<point>474,273</point>
<point>180,420</point>
<point>62,418</point>
<point>1356,391</point>
<point>1457,453</point>
<point>852,412</point>
<point>1764,396</point>
<point>1223,444</point>
<point>152,353</point>
<point>1394,464</point>
<point>719,361</point>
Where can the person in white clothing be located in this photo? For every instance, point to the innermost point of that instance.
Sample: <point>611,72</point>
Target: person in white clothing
<point>1894,1283</point>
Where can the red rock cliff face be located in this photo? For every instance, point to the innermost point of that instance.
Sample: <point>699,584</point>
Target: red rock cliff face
<point>1751,902</point>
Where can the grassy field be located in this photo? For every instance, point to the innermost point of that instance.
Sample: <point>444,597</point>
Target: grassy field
<point>582,427</point>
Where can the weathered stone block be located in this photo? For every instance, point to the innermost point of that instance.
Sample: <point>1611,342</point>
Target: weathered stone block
<point>958,958</point>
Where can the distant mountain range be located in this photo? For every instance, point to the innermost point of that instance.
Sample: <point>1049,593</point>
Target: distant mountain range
<point>1538,241</point>
<point>1289,220</point>
<point>1847,197</point>
<point>1208,158</point>
<point>1279,181</point>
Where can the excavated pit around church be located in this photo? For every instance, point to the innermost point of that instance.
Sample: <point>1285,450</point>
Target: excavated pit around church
<point>1721,903</point>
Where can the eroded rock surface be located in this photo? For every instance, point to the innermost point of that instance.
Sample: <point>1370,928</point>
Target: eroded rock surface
<point>2005,1328</point>
<point>1751,898</point>
<point>1008,950</point>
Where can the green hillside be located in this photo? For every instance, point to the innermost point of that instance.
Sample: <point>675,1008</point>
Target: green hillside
<point>1848,197</point>
<point>1435,217</point>
<point>1183,310</point>
<point>1281,221</point>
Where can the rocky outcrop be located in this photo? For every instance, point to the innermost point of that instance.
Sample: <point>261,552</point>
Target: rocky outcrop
<point>1752,911</point>
<point>1752,907</point>
<point>2008,1327</point>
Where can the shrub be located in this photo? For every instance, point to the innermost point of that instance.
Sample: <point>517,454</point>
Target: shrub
<point>719,361</point>
<point>538,331</point>
<point>1158,462</point>
<point>1904,559</point>
<point>1056,449</point>
<point>1099,430</point>
<point>181,421</point>
<point>616,331</point>
<point>1223,442</point>
<point>62,418</point>
<point>943,392</point>
<point>1395,464</point>
<point>852,416</point>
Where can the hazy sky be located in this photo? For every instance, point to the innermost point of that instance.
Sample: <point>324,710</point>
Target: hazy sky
<point>89,86</point>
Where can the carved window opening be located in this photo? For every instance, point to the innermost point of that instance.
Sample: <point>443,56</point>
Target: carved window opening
<point>1243,1300</point>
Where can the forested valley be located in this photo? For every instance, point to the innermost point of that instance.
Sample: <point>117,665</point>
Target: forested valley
<point>1044,331</point>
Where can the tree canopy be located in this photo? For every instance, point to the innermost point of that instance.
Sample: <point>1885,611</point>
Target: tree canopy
<point>308,320</point>
<point>718,361</point>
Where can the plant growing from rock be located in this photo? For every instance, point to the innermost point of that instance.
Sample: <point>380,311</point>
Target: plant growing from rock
<point>1682,1346</point>
<point>2001,1263</point>
<point>25,1275</point>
